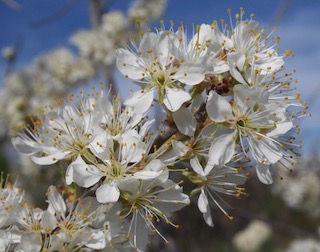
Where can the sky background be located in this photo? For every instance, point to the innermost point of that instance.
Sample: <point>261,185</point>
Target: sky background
<point>298,23</point>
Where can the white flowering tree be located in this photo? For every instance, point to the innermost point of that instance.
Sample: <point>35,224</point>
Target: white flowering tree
<point>228,105</point>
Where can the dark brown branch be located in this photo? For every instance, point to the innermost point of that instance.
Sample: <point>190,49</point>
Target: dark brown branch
<point>165,135</point>
<point>170,128</point>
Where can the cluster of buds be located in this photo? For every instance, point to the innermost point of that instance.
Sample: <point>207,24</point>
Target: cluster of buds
<point>228,106</point>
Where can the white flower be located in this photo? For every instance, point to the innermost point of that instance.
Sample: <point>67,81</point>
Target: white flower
<point>9,238</point>
<point>116,172</point>
<point>149,200</point>
<point>217,177</point>
<point>121,122</point>
<point>256,122</point>
<point>117,161</point>
<point>156,68</point>
<point>73,222</point>
<point>64,133</point>
<point>245,46</point>
<point>29,242</point>
<point>11,199</point>
<point>200,141</point>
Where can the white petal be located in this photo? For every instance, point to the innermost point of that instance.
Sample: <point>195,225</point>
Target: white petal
<point>147,175</point>
<point>169,157</point>
<point>108,193</point>
<point>196,166</point>
<point>280,129</point>
<point>132,149</point>
<point>179,148</point>
<point>219,66</point>
<point>69,112</point>
<point>101,142</point>
<point>265,150</point>
<point>246,97</point>
<point>130,184</point>
<point>25,146</point>
<point>190,74</point>
<point>50,159</point>
<point>69,175</point>
<point>197,101</point>
<point>56,202</point>
<point>221,38</point>
<point>139,232</point>
<point>240,62</point>
<point>174,98</point>
<point>222,149</point>
<point>200,38</point>
<point>153,170</point>
<point>171,201</point>
<point>97,240</point>
<point>140,101</point>
<point>208,218</point>
<point>129,64</point>
<point>218,108</point>
<point>155,165</point>
<point>264,174</point>
<point>30,242</point>
<point>145,127</point>
<point>48,221</point>
<point>148,43</point>
<point>271,66</point>
<point>85,175</point>
<point>235,59</point>
<point>185,121</point>
<point>203,203</point>
<point>164,48</point>
<point>204,208</point>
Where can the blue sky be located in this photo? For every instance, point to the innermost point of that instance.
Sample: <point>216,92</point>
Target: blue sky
<point>298,24</point>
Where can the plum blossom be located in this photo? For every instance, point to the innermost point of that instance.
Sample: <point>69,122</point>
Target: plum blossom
<point>216,177</point>
<point>154,65</point>
<point>256,122</point>
<point>63,132</point>
<point>149,200</point>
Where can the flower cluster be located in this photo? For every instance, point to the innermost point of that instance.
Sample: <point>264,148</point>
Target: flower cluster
<point>108,148</point>
<point>66,225</point>
<point>54,74</point>
<point>228,106</point>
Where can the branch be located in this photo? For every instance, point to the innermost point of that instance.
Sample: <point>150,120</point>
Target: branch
<point>171,128</point>
<point>96,8</point>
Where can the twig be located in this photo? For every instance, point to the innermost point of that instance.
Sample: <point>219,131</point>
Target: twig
<point>171,129</point>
